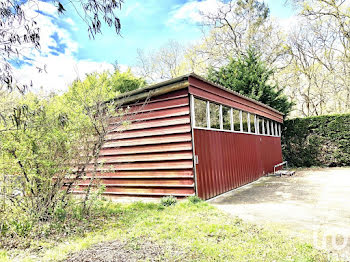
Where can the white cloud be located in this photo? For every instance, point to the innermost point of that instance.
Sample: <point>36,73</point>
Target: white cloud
<point>132,8</point>
<point>192,11</point>
<point>62,70</point>
<point>62,66</point>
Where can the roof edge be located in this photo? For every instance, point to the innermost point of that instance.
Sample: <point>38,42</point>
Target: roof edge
<point>184,78</point>
<point>150,87</point>
<point>235,93</point>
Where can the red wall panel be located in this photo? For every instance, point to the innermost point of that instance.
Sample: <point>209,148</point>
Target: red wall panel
<point>228,160</point>
<point>152,156</point>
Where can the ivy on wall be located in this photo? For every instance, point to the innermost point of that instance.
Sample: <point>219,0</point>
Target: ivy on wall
<point>317,141</point>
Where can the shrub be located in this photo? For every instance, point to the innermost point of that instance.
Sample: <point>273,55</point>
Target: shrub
<point>194,199</point>
<point>168,201</point>
<point>317,141</point>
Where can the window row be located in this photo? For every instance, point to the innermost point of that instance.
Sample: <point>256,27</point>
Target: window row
<point>215,116</point>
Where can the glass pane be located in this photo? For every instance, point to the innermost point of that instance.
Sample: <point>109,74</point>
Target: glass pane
<point>200,112</point>
<point>245,121</point>
<point>260,121</point>
<point>226,116</point>
<point>263,126</point>
<point>272,128</point>
<point>252,123</point>
<point>279,130</point>
<point>214,116</point>
<point>236,120</point>
<point>276,129</point>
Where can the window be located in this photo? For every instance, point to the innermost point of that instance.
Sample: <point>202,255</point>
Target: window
<point>245,121</point>
<point>252,123</point>
<point>226,118</point>
<point>272,130</point>
<point>221,117</point>
<point>214,115</point>
<point>263,123</point>
<point>200,113</point>
<point>276,129</point>
<point>279,129</point>
<point>260,125</point>
<point>236,120</point>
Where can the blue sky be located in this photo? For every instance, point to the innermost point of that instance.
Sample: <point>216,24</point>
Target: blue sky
<point>145,25</point>
<point>69,53</point>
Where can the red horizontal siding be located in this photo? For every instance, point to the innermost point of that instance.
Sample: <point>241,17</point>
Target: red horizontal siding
<point>150,156</point>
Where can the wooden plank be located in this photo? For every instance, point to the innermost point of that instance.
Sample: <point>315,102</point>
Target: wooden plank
<point>165,113</point>
<point>128,190</point>
<point>146,149</point>
<point>139,194</point>
<point>146,157</point>
<point>161,165</point>
<point>149,140</point>
<point>178,120</point>
<point>180,173</point>
<point>177,182</point>
<point>141,95</point>
<point>150,132</point>
<point>155,105</point>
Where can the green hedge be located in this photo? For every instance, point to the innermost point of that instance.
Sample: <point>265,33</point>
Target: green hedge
<point>317,141</point>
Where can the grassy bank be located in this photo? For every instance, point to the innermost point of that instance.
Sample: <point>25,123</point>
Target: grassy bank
<point>185,231</point>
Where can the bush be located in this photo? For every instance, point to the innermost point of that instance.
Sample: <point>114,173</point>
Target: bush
<point>168,201</point>
<point>317,141</point>
<point>194,199</point>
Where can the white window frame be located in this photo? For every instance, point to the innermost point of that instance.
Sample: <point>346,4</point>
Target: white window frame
<point>221,118</point>
<point>248,122</point>
<point>208,115</point>
<point>231,119</point>
<point>240,121</point>
<point>269,127</point>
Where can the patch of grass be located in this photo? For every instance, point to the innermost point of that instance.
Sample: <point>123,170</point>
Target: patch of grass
<point>186,231</point>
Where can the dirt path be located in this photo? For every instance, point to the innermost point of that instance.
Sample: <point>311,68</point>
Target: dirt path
<point>312,204</point>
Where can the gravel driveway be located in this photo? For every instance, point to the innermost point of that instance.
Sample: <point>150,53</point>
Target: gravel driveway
<point>314,204</point>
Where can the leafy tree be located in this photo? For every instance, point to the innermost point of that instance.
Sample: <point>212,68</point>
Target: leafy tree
<point>249,76</point>
<point>51,142</point>
<point>124,82</point>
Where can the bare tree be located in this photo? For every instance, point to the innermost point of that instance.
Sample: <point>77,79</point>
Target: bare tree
<point>164,63</point>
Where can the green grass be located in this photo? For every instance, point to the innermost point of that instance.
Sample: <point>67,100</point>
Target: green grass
<point>197,232</point>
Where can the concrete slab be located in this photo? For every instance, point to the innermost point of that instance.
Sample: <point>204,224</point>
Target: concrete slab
<point>313,204</point>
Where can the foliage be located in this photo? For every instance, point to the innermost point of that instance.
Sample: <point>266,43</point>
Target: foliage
<point>249,76</point>
<point>19,28</point>
<point>194,199</point>
<point>186,231</point>
<point>168,201</point>
<point>49,143</point>
<point>317,141</point>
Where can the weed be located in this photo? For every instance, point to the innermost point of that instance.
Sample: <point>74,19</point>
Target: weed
<point>168,201</point>
<point>194,199</point>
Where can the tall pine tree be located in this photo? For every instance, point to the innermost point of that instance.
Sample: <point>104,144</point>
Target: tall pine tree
<point>249,76</point>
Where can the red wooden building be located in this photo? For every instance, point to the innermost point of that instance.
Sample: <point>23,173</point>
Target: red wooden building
<point>190,137</point>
